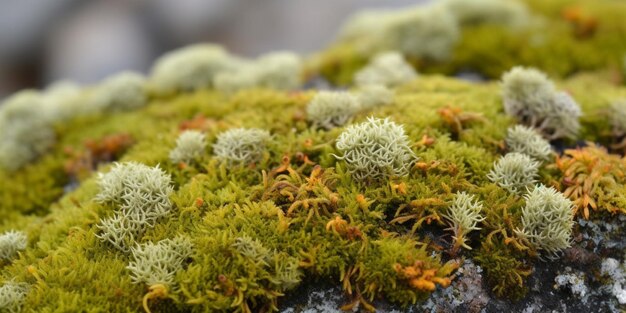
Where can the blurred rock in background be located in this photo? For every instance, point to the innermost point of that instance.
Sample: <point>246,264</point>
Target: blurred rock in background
<point>85,41</point>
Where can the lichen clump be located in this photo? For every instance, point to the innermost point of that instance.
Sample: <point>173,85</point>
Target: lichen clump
<point>547,220</point>
<point>377,148</point>
<point>241,146</point>
<point>530,97</point>
<point>140,195</point>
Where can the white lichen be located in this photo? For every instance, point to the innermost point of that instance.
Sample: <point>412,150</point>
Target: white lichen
<point>122,92</point>
<point>388,69</point>
<point>574,281</point>
<point>329,109</point>
<point>617,272</point>
<point>190,68</point>
<point>525,140</point>
<point>374,149</point>
<point>530,97</point>
<point>372,96</point>
<point>140,194</point>
<point>11,242</point>
<point>241,145</point>
<point>277,70</point>
<point>190,145</point>
<point>26,131</point>
<point>547,221</point>
<point>514,172</point>
<point>12,296</point>
<point>463,216</point>
<point>157,263</point>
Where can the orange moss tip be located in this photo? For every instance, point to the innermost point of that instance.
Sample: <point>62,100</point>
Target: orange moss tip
<point>424,279</point>
<point>158,291</point>
<point>400,188</point>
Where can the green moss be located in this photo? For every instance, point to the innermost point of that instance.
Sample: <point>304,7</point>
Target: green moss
<point>297,206</point>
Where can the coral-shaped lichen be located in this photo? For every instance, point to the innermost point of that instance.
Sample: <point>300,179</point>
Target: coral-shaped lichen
<point>547,220</point>
<point>372,96</point>
<point>12,296</point>
<point>122,92</point>
<point>157,263</point>
<point>241,145</point>
<point>429,32</point>
<point>276,70</point>
<point>514,172</point>
<point>525,140</point>
<point>190,145</point>
<point>463,216</point>
<point>329,109</point>
<point>377,148</point>
<point>530,97</point>
<point>279,70</point>
<point>593,179</point>
<point>191,68</point>
<point>388,69</point>
<point>25,130</point>
<point>11,242</point>
<point>141,195</point>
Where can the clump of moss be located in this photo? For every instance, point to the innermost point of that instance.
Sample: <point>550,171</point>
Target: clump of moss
<point>593,179</point>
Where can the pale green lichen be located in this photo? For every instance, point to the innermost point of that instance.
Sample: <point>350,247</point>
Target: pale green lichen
<point>12,296</point>
<point>190,68</point>
<point>429,32</point>
<point>510,13</point>
<point>11,242</point>
<point>122,92</point>
<point>25,130</point>
<point>157,263</point>
<point>372,96</point>
<point>547,220</point>
<point>374,149</point>
<point>276,70</point>
<point>530,97</point>
<point>617,118</point>
<point>241,146</point>
<point>515,172</point>
<point>329,109</point>
<point>463,216</point>
<point>525,140</point>
<point>190,145</point>
<point>388,69</point>
<point>140,194</point>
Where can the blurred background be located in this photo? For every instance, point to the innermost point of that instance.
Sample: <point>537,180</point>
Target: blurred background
<point>85,41</point>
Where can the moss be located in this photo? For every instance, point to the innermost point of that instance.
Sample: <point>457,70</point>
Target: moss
<point>590,41</point>
<point>298,206</point>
